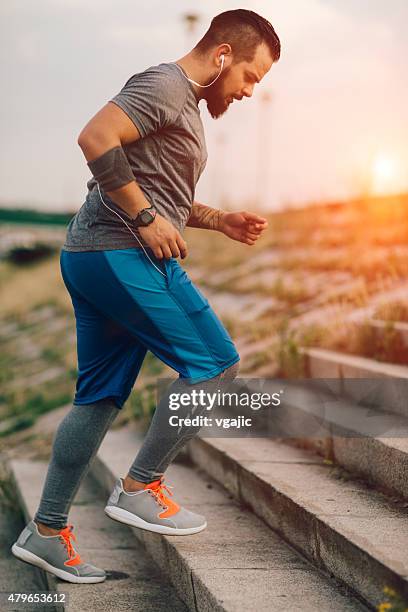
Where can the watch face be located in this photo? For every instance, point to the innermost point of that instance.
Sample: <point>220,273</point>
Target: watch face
<point>146,216</point>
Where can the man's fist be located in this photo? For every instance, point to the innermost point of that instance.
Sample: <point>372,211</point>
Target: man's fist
<point>243,226</point>
<point>164,239</point>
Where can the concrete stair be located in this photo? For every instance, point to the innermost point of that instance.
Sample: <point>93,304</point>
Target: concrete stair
<point>238,563</point>
<point>390,395</point>
<point>344,528</point>
<point>134,581</point>
<point>323,363</point>
<point>15,577</point>
<point>365,441</point>
<point>375,440</point>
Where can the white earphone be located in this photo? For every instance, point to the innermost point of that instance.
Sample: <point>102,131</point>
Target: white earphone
<point>212,82</point>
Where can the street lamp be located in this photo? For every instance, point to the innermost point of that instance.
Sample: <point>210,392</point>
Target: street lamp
<point>191,20</point>
<point>263,146</point>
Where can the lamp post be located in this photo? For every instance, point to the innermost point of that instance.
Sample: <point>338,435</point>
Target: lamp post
<point>191,21</point>
<point>262,175</point>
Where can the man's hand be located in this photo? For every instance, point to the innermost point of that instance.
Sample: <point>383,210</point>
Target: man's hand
<point>163,238</point>
<point>242,226</point>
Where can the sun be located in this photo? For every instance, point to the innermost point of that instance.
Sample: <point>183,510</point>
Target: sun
<point>384,174</point>
<point>384,167</point>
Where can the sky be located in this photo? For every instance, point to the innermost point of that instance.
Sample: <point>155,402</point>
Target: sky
<point>335,126</point>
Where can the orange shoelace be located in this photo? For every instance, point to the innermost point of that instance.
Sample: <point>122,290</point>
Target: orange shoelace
<point>66,535</point>
<point>158,488</point>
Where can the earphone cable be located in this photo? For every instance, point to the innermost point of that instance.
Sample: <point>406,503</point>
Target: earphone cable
<point>198,84</point>
<point>130,229</point>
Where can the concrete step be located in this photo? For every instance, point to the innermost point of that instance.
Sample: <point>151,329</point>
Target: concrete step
<point>390,393</point>
<point>344,528</point>
<point>134,581</point>
<point>365,441</point>
<point>15,577</point>
<point>236,564</point>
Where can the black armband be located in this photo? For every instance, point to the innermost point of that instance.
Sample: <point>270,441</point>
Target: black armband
<point>112,169</point>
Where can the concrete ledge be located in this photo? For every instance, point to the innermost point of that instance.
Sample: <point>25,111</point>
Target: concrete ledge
<point>381,461</point>
<point>343,437</point>
<point>321,363</point>
<point>343,528</point>
<point>237,563</point>
<point>26,502</point>
<point>134,581</point>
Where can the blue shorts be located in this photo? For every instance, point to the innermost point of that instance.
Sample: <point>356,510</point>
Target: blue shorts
<point>124,306</point>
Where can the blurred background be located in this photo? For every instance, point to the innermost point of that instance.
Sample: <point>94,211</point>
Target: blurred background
<point>321,149</point>
<point>328,121</point>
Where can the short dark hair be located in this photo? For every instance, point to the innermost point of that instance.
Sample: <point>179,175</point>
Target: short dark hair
<point>244,30</point>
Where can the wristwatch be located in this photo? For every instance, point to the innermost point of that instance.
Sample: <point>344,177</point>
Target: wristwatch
<point>144,217</point>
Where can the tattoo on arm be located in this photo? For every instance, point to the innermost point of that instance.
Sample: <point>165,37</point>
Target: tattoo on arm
<point>204,217</point>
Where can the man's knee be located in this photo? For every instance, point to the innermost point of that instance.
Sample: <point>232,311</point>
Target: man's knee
<point>228,374</point>
<point>231,372</point>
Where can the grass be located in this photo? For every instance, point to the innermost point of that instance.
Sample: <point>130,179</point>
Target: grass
<point>365,241</point>
<point>384,345</point>
<point>392,311</point>
<point>152,366</point>
<point>291,363</point>
<point>19,416</point>
<point>392,601</point>
<point>259,359</point>
<point>24,288</point>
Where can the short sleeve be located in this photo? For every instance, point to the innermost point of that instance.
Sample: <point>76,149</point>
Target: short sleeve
<point>152,99</point>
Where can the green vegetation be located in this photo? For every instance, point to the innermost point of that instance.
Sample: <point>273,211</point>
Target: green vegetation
<point>25,215</point>
<point>290,359</point>
<point>24,255</point>
<point>323,261</point>
<point>142,403</point>
<point>393,601</point>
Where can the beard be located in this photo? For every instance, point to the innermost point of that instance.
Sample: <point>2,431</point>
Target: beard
<point>215,97</point>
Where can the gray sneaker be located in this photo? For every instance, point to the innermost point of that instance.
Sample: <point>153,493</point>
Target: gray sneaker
<point>152,510</point>
<point>55,554</point>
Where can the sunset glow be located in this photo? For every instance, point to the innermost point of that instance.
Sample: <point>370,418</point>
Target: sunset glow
<point>384,174</point>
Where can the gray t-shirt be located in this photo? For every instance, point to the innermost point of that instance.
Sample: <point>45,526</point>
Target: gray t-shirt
<point>167,160</point>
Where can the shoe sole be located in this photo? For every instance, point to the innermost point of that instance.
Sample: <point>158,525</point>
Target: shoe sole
<point>29,557</point>
<point>124,516</point>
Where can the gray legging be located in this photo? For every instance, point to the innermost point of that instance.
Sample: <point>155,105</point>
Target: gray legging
<point>80,433</point>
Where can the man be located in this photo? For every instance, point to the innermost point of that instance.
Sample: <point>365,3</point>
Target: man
<point>146,151</point>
